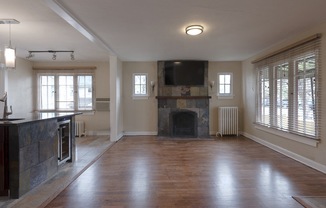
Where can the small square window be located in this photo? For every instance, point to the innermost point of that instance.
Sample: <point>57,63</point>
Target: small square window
<point>140,85</point>
<point>225,85</point>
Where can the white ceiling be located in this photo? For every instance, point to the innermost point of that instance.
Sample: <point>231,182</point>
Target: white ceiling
<point>151,30</point>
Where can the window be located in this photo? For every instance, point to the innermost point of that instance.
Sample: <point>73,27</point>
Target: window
<point>140,85</point>
<point>65,92</point>
<point>287,90</point>
<point>225,88</point>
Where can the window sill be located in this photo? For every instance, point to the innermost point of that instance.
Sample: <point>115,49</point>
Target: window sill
<point>225,96</point>
<point>140,97</point>
<point>293,137</point>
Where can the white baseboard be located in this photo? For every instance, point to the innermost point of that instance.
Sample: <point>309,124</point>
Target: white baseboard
<point>98,133</point>
<point>299,158</point>
<point>140,133</point>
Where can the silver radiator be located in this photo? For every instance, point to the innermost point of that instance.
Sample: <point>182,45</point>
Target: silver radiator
<point>227,121</point>
<point>79,128</point>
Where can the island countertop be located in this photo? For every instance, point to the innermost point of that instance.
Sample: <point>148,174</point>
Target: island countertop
<point>31,117</point>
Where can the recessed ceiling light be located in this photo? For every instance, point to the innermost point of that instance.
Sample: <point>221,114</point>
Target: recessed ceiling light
<point>194,30</point>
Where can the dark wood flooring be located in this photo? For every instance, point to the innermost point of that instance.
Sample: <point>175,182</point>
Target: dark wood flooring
<point>232,172</point>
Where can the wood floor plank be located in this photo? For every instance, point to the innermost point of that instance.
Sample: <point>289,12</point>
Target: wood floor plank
<point>147,171</point>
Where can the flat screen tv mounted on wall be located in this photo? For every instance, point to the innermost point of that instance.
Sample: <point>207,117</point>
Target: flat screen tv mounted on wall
<point>188,73</point>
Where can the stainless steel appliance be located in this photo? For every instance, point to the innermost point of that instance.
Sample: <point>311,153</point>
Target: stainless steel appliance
<point>64,141</point>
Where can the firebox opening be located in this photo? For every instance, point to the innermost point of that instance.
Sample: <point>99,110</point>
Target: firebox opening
<point>183,124</point>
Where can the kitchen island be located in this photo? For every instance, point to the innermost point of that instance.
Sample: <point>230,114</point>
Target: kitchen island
<point>30,150</point>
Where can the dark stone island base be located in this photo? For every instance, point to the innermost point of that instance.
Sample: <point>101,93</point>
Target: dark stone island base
<point>33,150</point>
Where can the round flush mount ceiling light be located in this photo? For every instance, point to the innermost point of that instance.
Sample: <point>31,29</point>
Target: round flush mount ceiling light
<point>194,30</point>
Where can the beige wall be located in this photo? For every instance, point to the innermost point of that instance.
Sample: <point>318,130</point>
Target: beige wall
<point>140,115</point>
<point>313,156</point>
<point>218,67</point>
<point>99,122</point>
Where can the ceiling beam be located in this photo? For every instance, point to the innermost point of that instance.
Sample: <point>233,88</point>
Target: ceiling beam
<point>64,13</point>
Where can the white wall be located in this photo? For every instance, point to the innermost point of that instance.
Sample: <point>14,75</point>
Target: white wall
<point>19,85</point>
<point>99,122</point>
<point>313,156</point>
<point>116,91</point>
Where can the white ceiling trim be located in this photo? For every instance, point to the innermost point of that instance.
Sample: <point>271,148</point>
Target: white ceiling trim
<point>64,13</point>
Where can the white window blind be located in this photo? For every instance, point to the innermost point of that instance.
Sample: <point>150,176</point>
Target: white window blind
<point>288,89</point>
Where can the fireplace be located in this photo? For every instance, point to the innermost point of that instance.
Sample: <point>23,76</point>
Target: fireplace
<point>183,110</point>
<point>183,124</point>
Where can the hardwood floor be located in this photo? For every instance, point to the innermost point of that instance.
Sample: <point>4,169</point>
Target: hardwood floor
<point>230,172</point>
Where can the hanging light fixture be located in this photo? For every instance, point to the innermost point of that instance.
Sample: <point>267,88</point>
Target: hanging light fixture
<point>10,52</point>
<point>194,30</point>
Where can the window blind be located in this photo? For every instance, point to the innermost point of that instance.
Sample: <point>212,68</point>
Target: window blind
<point>288,83</point>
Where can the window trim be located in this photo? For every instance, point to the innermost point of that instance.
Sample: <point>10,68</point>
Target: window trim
<point>139,96</point>
<point>57,73</point>
<point>225,95</point>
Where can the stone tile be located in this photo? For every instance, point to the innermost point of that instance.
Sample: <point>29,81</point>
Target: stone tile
<point>29,156</point>
<point>181,103</point>
<point>191,103</point>
<point>203,117</point>
<point>203,132</point>
<point>47,148</point>
<point>24,182</point>
<point>38,175</point>
<point>202,103</point>
<point>51,166</point>
<point>176,91</point>
<point>185,91</point>
<point>25,137</point>
<point>166,91</point>
<point>171,103</point>
<point>162,103</point>
<point>194,91</point>
<point>203,91</point>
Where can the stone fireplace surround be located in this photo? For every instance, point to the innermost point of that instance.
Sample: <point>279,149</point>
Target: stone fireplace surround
<point>174,99</point>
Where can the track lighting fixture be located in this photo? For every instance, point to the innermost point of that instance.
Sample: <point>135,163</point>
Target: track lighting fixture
<point>30,55</point>
<point>54,54</point>
<point>72,56</point>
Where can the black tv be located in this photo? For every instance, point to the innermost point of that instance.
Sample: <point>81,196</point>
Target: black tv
<point>187,73</point>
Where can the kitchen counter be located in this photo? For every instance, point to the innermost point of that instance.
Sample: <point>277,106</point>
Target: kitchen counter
<point>32,117</point>
<point>31,150</point>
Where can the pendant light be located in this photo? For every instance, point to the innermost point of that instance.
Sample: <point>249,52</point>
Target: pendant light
<point>10,52</point>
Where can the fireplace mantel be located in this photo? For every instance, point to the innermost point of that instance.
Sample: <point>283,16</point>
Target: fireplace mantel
<point>183,97</point>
